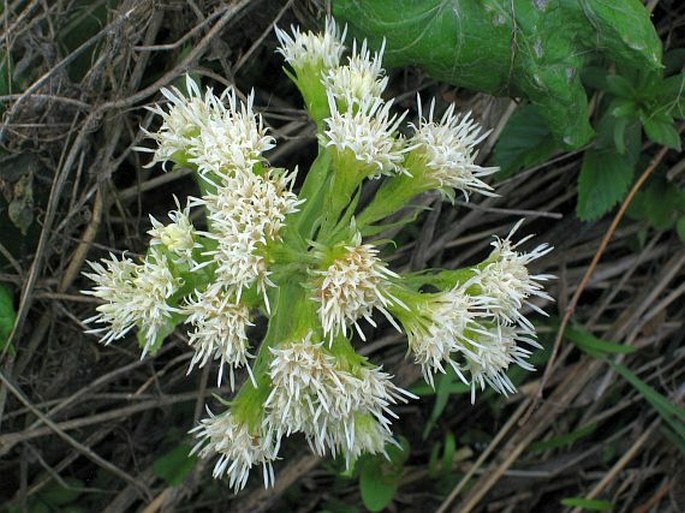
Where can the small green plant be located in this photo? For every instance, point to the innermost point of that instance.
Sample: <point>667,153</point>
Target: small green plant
<point>304,262</point>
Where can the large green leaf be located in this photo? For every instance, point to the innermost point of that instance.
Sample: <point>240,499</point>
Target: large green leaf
<point>524,48</point>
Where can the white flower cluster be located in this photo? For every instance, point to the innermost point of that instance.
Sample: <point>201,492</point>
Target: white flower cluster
<point>477,327</point>
<point>301,261</point>
<point>133,295</point>
<point>239,449</point>
<point>351,287</point>
<point>447,149</point>
<point>224,139</point>
<point>361,122</point>
<point>220,323</point>
<point>314,50</point>
<point>218,134</point>
<point>179,236</point>
<point>361,81</point>
<point>339,411</point>
<point>245,213</point>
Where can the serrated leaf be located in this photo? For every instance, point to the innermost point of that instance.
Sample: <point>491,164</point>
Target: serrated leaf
<point>469,43</point>
<point>662,132</point>
<point>604,179</point>
<point>671,94</point>
<point>175,465</point>
<point>524,142</point>
<point>587,504</point>
<point>660,203</point>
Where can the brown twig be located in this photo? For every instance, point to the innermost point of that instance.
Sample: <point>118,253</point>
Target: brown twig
<point>86,451</point>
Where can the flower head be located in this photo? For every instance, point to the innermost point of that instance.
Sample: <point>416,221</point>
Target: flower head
<point>446,153</point>
<point>181,123</point>
<point>233,139</point>
<point>218,134</point>
<point>368,133</point>
<point>505,279</point>
<point>178,236</point>
<point>238,447</point>
<point>308,390</point>
<point>494,352</point>
<point>134,295</point>
<point>220,323</point>
<point>245,213</point>
<point>361,80</point>
<point>367,429</point>
<point>442,328</point>
<point>339,409</point>
<point>308,50</point>
<point>351,286</point>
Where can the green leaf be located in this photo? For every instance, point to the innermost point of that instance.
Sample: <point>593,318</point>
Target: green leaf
<point>517,48</point>
<point>563,440</point>
<point>587,504</point>
<point>524,142</point>
<point>450,450</point>
<point>619,86</point>
<point>680,228</point>
<point>594,77</point>
<point>671,94</point>
<point>604,179</point>
<point>175,465</point>
<point>595,347</point>
<point>660,203</point>
<point>7,314</point>
<point>674,61</point>
<point>57,495</point>
<point>445,386</point>
<point>671,413</point>
<point>606,173</point>
<point>623,108</point>
<point>662,132</point>
<point>619,135</point>
<point>380,477</point>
